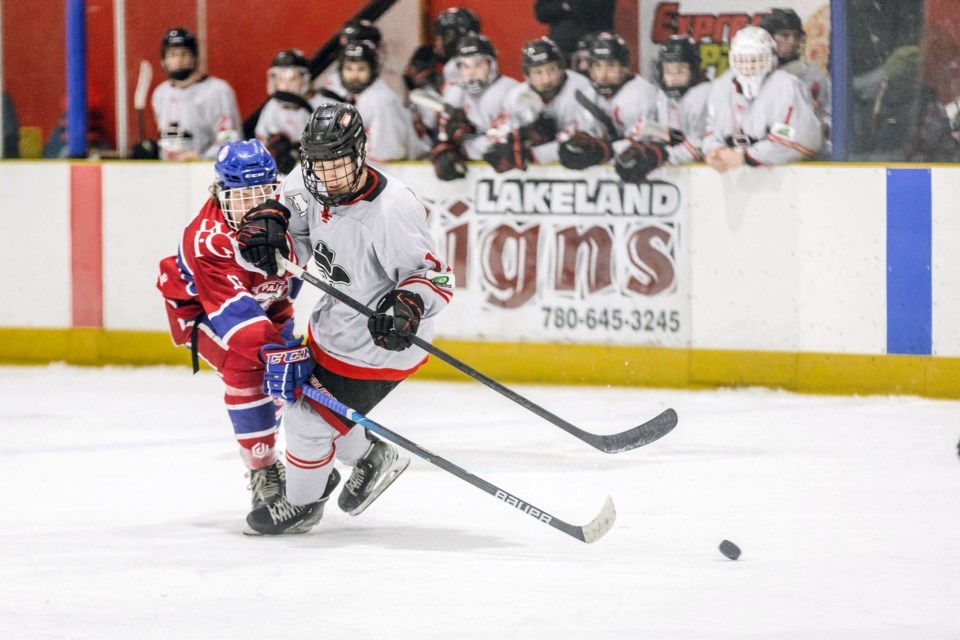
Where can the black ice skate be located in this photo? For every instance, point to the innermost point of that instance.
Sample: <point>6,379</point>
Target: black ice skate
<point>280,517</point>
<point>371,476</point>
<point>267,484</point>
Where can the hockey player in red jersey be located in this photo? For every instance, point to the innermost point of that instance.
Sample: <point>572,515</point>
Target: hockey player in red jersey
<point>368,235</point>
<point>227,311</point>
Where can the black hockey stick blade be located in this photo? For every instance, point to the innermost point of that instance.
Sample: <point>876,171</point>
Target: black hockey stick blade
<point>598,114</point>
<point>590,532</point>
<point>641,435</point>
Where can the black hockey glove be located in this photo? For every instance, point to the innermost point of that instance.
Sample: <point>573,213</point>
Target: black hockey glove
<point>421,71</point>
<point>263,232</point>
<point>447,162</point>
<point>583,150</point>
<point>639,159</point>
<point>511,154</point>
<point>455,125</point>
<point>398,316</point>
<point>540,131</point>
<point>145,150</point>
<point>285,152</point>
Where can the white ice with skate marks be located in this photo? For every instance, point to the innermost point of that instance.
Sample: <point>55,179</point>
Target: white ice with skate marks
<point>124,498</point>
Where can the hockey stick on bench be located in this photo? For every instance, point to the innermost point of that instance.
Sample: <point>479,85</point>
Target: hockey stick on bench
<point>638,436</point>
<point>590,532</point>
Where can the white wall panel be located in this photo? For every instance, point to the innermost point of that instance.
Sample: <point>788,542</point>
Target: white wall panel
<point>745,259</point>
<point>35,214</point>
<point>145,209</point>
<point>945,185</point>
<point>843,259</point>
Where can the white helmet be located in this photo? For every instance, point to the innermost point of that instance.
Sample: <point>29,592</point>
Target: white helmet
<point>753,55</point>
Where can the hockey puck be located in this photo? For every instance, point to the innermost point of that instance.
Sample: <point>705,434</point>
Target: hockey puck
<point>729,549</point>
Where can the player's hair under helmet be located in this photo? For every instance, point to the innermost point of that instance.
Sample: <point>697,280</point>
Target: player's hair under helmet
<point>612,48</point>
<point>289,65</point>
<point>246,176</point>
<point>536,53</point>
<point>678,49</point>
<point>360,51</point>
<point>776,20</point>
<point>451,25</point>
<point>752,57</point>
<point>478,45</point>
<point>335,131</point>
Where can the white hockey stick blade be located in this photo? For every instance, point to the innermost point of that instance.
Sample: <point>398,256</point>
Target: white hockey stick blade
<point>598,527</point>
<point>143,85</point>
<point>428,100</point>
<point>398,467</point>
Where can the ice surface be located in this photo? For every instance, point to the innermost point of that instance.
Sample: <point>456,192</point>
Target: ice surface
<point>123,497</point>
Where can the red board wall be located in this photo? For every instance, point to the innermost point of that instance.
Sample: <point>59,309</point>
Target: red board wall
<point>242,38</point>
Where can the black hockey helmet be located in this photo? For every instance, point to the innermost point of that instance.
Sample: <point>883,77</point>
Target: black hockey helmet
<point>477,44</point>
<point>540,51</point>
<point>678,49</point>
<point>451,25</point>
<point>580,58</point>
<point>612,48</point>
<point>781,20</point>
<point>360,30</point>
<point>178,37</point>
<point>335,131</point>
<point>290,58</point>
<point>536,53</point>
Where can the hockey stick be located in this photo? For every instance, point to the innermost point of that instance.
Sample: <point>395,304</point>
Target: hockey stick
<point>590,532</point>
<point>645,128</point>
<point>140,98</point>
<point>641,435</point>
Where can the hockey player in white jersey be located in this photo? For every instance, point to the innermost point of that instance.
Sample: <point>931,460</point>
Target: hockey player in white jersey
<point>287,111</point>
<point>537,109</point>
<point>787,30</point>
<point>195,113</point>
<point>390,132</point>
<point>367,233</point>
<point>619,101</point>
<point>757,114</point>
<point>330,85</point>
<point>476,107</point>
<point>681,113</point>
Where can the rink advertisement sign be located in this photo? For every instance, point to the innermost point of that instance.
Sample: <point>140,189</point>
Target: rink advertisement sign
<point>557,255</point>
<point>713,22</point>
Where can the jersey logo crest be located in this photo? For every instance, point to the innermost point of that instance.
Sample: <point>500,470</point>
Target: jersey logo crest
<point>300,203</point>
<point>324,256</point>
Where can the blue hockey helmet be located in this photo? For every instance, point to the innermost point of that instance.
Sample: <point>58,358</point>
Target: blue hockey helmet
<point>246,176</point>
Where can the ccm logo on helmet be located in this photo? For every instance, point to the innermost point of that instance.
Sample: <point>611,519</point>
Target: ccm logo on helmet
<point>288,357</point>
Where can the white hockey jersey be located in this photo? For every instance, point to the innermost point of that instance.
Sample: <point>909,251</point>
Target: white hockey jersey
<point>367,248</point>
<point>563,108</point>
<point>778,126</point>
<point>818,84</point>
<point>389,125</point>
<point>687,114</point>
<point>636,100</point>
<point>284,118</point>
<point>484,111</point>
<point>197,118</point>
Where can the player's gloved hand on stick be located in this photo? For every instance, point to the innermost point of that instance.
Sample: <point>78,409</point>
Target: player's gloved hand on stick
<point>398,316</point>
<point>639,159</point>
<point>447,163</point>
<point>287,368</point>
<point>455,125</point>
<point>540,131</point>
<point>582,150</point>
<point>263,232</point>
<point>510,154</point>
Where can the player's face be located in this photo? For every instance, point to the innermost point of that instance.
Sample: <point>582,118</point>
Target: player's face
<point>289,79</point>
<point>337,176</point>
<point>236,202</point>
<point>788,43</point>
<point>356,73</point>
<point>748,64</point>
<point>676,74</point>
<point>545,77</point>
<point>474,68</point>
<point>178,59</point>
<point>608,73</point>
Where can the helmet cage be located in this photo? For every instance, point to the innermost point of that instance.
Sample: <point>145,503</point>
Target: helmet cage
<point>611,48</point>
<point>752,58</point>
<point>246,176</point>
<point>476,45</point>
<point>335,131</point>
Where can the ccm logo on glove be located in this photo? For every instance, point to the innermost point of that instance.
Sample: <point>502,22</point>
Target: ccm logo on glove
<point>287,357</point>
